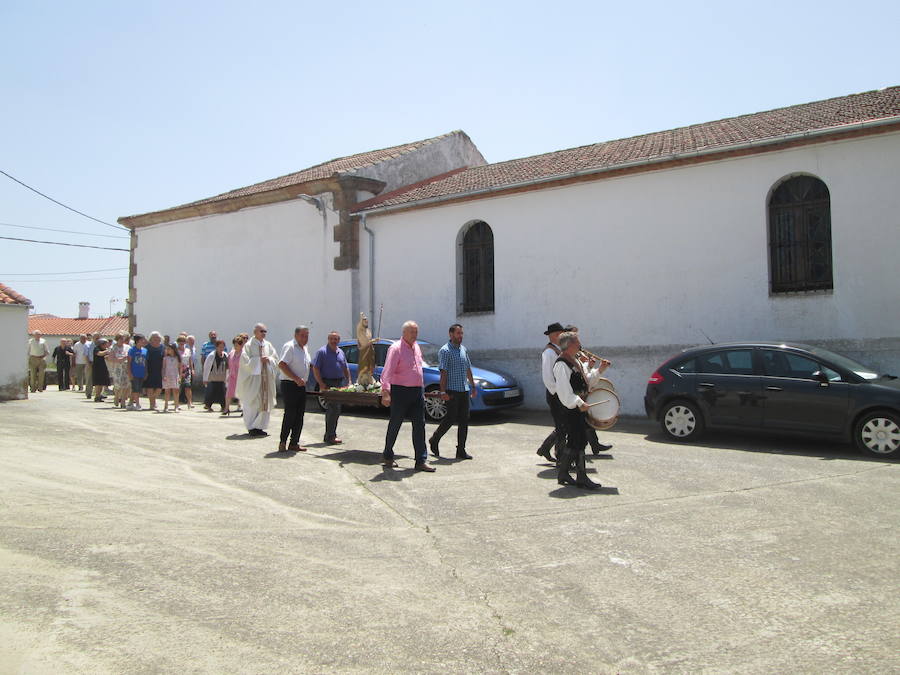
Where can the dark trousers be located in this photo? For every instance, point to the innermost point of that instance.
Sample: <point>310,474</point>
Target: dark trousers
<point>457,413</point>
<point>62,374</point>
<point>215,393</point>
<point>557,437</point>
<point>407,403</point>
<point>576,430</point>
<point>294,408</point>
<point>333,412</point>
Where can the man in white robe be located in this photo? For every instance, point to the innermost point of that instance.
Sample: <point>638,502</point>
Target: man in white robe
<point>256,381</point>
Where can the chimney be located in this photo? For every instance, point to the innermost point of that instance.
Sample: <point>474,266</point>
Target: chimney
<point>84,309</point>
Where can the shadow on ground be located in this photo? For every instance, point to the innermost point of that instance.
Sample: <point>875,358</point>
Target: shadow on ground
<point>758,441</point>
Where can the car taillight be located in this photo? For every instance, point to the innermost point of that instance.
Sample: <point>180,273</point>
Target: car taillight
<point>655,378</point>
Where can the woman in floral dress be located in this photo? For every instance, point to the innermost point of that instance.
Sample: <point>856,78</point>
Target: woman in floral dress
<point>118,370</point>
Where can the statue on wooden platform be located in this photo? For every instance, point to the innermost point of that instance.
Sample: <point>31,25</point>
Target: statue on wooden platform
<point>366,352</point>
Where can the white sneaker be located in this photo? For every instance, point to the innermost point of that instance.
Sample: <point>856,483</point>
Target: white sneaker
<point>137,406</point>
<point>130,406</point>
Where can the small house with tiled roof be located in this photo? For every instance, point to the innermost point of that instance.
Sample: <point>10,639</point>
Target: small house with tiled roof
<point>55,328</point>
<point>14,333</point>
<point>780,224</point>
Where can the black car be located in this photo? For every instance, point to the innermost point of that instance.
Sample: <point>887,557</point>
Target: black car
<point>785,388</point>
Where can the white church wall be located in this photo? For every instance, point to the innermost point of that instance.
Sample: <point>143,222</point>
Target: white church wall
<point>644,263</point>
<point>227,271</point>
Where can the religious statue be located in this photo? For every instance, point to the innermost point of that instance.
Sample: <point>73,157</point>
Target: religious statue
<point>366,352</point>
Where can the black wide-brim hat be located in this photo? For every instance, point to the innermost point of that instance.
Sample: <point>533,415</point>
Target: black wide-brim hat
<point>556,327</point>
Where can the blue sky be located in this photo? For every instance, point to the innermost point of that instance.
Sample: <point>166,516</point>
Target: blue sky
<point>121,108</point>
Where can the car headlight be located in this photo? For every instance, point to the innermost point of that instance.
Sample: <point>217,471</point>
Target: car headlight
<point>484,384</point>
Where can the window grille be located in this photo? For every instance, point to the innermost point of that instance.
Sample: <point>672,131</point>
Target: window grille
<point>800,236</point>
<point>478,268</point>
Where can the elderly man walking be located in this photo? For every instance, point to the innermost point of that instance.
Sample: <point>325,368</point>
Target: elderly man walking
<point>89,366</point>
<point>294,367</point>
<point>37,361</point>
<point>457,386</point>
<point>256,381</point>
<point>330,370</point>
<point>80,348</point>
<point>402,389</point>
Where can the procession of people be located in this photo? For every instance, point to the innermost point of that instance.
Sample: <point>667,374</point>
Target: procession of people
<point>253,372</point>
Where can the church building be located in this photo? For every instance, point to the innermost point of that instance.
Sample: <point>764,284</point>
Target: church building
<point>778,225</point>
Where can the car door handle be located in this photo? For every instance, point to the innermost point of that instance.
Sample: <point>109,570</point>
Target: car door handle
<point>774,388</point>
<point>706,385</point>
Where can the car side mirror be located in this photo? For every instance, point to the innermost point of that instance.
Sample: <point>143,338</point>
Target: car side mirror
<point>821,378</point>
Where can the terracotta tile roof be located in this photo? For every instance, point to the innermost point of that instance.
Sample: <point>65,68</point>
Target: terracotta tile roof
<point>55,325</point>
<point>9,297</point>
<point>319,171</point>
<point>664,145</point>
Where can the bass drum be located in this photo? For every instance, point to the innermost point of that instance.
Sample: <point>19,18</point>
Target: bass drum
<point>604,409</point>
<point>603,383</point>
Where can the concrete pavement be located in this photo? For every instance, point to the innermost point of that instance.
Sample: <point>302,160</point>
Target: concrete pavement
<point>143,542</point>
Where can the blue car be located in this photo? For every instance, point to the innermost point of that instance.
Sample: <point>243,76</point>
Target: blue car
<point>494,390</point>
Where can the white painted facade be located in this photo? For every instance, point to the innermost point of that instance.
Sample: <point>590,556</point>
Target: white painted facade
<point>644,263</point>
<point>14,357</point>
<point>225,272</point>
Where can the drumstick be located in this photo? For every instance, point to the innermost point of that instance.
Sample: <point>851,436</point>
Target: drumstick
<point>591,405</point>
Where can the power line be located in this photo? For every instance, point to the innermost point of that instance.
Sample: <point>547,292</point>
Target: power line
<point>41,281</point>
<point>43,274</point>
<point>60,243</point>
<point>102,222</point>
<point>50,229</point>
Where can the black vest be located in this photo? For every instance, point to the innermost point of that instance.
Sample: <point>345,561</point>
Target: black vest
<point>576,379</point>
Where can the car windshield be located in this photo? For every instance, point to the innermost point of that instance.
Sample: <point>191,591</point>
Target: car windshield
<point>846,363</point>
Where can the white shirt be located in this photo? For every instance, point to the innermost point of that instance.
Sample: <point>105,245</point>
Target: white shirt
<point>297,360</point>
<point>80,350</point>
<point>562,374</point>
<point>37,347</point>
<point>548,358</point>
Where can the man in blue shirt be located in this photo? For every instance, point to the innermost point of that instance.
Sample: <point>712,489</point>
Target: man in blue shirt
<point>206,349</point>
<point>330,370</point>
<point>457,386</point>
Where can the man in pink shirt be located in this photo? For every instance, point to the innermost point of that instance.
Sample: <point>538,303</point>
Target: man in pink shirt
<point>402,388</point>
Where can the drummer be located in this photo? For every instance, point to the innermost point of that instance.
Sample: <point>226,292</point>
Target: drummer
<point>596,446</point>
<point>573,381</point>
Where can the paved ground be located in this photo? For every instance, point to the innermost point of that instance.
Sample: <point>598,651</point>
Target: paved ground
<point>141,542</point>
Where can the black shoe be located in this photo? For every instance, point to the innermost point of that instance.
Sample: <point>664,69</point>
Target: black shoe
<point>601,447</point>
<point>586,483</point>
<point>462,454</point>
<point>562,469</point>
<point>545,453</point>
<point>258,432</point>
<point>433,444</point>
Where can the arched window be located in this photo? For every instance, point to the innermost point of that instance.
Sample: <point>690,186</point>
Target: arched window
<point>476,268</point>
<point>800,236</point>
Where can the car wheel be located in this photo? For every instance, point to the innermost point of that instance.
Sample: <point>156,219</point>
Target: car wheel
<point>435,408</point>
<point>321,402</point>
<point>878,434</point>
<point>681,421</point>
